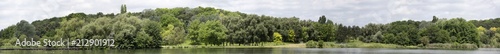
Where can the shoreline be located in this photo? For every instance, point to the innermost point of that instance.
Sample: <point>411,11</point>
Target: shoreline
<point>71,48</point>
<point>286,45</point>
<point>300,45</point>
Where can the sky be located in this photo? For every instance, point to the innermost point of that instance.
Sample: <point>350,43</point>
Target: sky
<point>347,12</point>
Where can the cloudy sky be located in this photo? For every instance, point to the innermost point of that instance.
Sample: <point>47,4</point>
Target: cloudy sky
<point>349,12</point>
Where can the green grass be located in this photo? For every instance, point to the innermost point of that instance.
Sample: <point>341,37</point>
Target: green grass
<point>229,45</point>
<point>451,46</point>
<point>314,44</point>
<point>359,44</point>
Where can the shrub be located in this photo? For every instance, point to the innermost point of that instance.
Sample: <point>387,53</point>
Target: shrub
<point>452,46</point>
<point>311,44</point>
<point>320,44</point>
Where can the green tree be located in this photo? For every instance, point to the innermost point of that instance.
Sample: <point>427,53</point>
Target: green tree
<point>465,32</point>
<point>173,30</point>
<point>322,19</point>
<point>495,39</point>
<point>8,32</point>
<point>435,34</point>
<point>277,37</point>
<point>405,32</point>
<point>389,38</point>
<point>291,33</point>
<point>25,28</point>
<point>326,31</point>
<point>304,36</point>
<point>193,32</point>
<point>176,36</point>
<point>127,31</point>
<point>494,29</point>
<point>143,39</point>
<point>434,19</point>
<point>424,40</point>
<point>482,32</point>
<point>69,29</point>
<point>213,32</point>
<point>376,37</point>
<point>123,9</point>
<point>149,14</point>
<point>167,19</point>
<point>442,36</point>
<point>101,28</point>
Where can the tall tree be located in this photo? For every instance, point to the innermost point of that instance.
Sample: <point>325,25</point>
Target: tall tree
<point>463,31</point>
<point>434,19</point>
<point>322,19</point>
<point>213,32</point>
<point>194,33</point>
<point>123,9</point>
<point>25,28</point>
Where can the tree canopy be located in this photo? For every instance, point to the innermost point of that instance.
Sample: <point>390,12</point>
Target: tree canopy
<point>209,26</point>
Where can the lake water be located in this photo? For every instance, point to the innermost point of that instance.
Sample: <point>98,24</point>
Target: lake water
<point>259,51</point>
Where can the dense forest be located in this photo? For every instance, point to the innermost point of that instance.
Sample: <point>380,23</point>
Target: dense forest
<point>209,26</point>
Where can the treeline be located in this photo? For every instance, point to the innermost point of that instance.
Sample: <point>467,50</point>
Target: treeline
<point>209,26</point>
<point>439,30</point>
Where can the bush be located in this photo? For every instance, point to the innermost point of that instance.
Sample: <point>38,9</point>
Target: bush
<point>311,44</point>
<point>320,44</point>
<point>278,43</point>
<point>195,43</point>
<point>314,44</point>
<point>452,46</point>
<point>360,44</point>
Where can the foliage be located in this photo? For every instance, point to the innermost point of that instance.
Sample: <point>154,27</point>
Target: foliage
<point>193,32</point>
<point>452,46</point>
<point>292,35</point>
<point>311,44</point>
<point>320,43</point>
<point>173,30</point>
<point>424,40</point>
<point>206,25</point>
<point>277,37</point>
<point>212,32</point>
<point>123,9</point>
<point>129,32</point>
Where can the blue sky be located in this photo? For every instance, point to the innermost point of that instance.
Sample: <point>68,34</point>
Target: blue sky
<point>348,12</point>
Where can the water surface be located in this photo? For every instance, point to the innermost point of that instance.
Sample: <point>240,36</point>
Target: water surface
<point>259,51</point>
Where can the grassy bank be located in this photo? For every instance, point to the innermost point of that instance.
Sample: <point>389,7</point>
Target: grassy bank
<point>310,44</point>
<point>451,46</point>
<point>352,44</point>
<point>251,45</point>
<point>359,44</point>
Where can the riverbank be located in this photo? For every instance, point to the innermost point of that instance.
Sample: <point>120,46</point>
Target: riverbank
<point>356,44</point>
<point>359,44</point>
<point>253,45</point>
<point>334,45</point>
<point>259,51</point>
<point>353,44</point>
